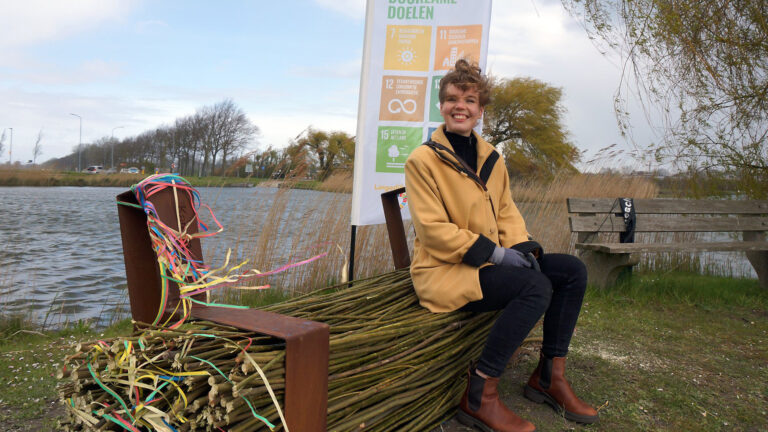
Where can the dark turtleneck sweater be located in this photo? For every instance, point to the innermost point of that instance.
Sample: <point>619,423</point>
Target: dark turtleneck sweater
<point>465,147</point>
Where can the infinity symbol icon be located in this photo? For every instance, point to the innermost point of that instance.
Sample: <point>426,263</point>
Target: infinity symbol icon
<point>403,106</point>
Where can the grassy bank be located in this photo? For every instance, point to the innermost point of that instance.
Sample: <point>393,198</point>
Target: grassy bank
<point>338,182</point>
<point>44,177</point>
<point>28,364</point>
<point>671,352</point>
<point>666,352</point>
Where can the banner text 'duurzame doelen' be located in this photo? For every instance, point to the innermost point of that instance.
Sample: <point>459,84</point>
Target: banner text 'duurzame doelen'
<point>409,46</point>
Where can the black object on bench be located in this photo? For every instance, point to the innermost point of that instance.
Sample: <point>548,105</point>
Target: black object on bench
<point>606,260</point>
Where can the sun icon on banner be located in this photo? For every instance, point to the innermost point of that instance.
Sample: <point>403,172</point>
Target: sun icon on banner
<point>407,56</point>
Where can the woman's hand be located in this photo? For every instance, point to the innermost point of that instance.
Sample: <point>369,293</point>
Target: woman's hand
<point>509,257</point>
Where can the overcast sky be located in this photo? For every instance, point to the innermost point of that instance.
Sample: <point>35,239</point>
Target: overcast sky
<point>130,66</point>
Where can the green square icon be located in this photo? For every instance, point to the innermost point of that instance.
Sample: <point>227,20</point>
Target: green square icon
<point>393,145</point>
<point>434,100</point>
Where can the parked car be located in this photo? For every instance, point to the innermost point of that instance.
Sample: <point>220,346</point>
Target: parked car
<point>133,170</point>
<point>94,169</point>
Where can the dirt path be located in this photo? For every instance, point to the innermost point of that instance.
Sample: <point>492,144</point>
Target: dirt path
<point>39,424</point>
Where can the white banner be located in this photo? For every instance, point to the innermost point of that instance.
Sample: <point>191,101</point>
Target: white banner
<point>409,46</point>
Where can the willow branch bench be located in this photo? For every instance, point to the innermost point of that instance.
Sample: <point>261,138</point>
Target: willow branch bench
<point>606,260</point>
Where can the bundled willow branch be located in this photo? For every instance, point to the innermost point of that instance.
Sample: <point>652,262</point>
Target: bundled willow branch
<point>393,366</point>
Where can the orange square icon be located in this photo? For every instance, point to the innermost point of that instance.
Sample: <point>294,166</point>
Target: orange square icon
<point>457,42</point>
<point>402,98</point>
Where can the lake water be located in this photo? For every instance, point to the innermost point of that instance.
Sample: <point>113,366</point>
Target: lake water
<point>61,255</point>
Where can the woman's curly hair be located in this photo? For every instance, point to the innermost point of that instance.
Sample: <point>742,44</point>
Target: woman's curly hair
<point>465,75</point>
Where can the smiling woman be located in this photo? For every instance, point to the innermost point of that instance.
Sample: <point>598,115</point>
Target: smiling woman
<point>473,253</point>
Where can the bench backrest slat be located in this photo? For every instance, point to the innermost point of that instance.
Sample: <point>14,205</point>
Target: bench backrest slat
<point>669,206</point>
<point>669,223</point>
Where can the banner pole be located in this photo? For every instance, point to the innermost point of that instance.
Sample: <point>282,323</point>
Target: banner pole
<point>351,272</point>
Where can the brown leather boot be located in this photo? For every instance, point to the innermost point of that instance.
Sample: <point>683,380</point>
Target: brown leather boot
<point>548,384</point>
<point>480,407</point>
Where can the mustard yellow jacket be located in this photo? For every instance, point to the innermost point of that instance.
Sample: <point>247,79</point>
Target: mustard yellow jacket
<point>458,224</point>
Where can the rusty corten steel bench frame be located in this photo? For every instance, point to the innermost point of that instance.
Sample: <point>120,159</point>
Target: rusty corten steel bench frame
<point>306,359</point>
<point>395,228</point>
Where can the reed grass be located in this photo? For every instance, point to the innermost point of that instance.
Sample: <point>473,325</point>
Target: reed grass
<point>543,205</point>
<point>340,181</point>
<point>326,222</point>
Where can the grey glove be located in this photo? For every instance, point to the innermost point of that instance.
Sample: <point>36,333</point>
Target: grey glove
<point>509,257</point>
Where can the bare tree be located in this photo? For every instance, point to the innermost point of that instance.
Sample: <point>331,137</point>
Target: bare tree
<point>200,143</point>
<point>226,130</point>
<point>37,150</point>
<point>187,139</point>
<point>164,141</point>
<point>237,134</point>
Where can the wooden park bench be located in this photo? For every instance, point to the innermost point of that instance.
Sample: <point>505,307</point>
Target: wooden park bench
<point>606,259</point>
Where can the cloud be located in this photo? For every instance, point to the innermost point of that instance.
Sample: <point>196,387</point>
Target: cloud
<point>32,72</point>
<point>523,30</point>
<point>33,21</point>
<point>354,9</point>
<point>540,40</point>
<point>509,61</point>
<point>278,129</point>
<point>29,111</point>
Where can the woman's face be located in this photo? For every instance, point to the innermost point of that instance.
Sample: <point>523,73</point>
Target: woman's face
<point>461,109</point>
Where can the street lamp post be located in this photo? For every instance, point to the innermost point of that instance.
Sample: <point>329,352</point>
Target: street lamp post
<point>79,142</point>
<point>112,141</point>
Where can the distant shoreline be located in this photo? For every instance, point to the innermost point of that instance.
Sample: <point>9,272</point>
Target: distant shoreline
<point>11,177</point>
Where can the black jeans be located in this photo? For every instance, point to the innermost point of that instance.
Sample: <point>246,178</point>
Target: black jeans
<point>524,295</point>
